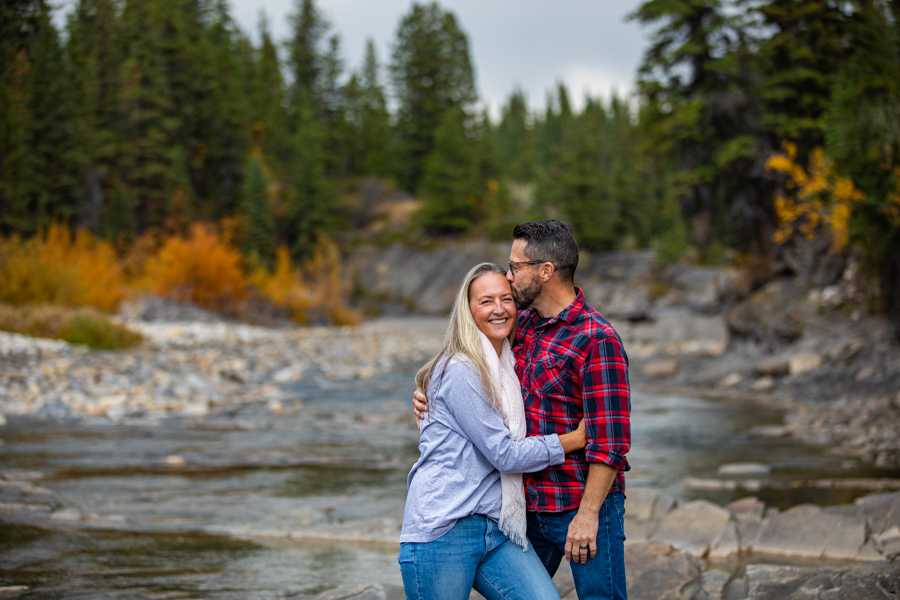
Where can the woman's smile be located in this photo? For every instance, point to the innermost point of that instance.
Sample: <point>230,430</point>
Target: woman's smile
<point>493,307</point>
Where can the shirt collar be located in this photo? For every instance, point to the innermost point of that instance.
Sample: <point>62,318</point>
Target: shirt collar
<point>569,314</point>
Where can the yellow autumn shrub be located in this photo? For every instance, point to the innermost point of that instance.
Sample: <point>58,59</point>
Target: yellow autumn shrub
<point>813,200</point>
<point>316,286</point>
<point>55,267</point>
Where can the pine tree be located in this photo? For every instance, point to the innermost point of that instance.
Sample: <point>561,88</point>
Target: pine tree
<point>39,174</point>
<point>117,222</point>
<point>333,110</point>
<point>149,123</point>
<point>94,87</point>
<point>374,119</point>
<point>304,53</point>
<point>311,197</point>
<point>449,190</point>
<point>432,74</point>
<point>515,140</point>
<point>227,132</point>
<point>799,62</point>
<point>268,98</point>
<point>257,214</point>
<point>698,79</point>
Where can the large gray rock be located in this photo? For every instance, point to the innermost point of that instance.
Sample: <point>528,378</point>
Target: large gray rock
<point>617,299</point>
<point>665,367</point>
<point>748,515</point>
<point>893,518</point>
<point>875,509</point>
<point>769,315</point>
<point>773,367</point>
<point>775,582</point>
<point>703,288</point>
<point>426,280</point>
<point>808,531</point>
<point>727,547</point>
<point>659,572</point>
<point>640,504</point>
<point>694,528</point>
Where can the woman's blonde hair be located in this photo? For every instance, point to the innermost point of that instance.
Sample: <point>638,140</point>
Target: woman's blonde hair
<point>462,339</point>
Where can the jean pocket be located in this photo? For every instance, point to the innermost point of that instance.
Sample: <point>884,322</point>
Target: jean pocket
<point>407,553</point>
<point>619,503</point>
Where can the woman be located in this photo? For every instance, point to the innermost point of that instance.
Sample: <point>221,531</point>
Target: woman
<point>464,524</point>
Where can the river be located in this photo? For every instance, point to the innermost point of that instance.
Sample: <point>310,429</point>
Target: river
<point>290,500</point>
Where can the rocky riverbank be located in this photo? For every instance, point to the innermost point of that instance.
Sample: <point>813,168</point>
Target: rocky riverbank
<point>195,368</point>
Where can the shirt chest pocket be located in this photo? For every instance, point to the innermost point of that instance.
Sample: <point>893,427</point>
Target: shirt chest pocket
<point>550,374</point>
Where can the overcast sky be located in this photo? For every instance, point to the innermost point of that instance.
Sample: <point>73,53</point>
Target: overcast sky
<point>527,43</point>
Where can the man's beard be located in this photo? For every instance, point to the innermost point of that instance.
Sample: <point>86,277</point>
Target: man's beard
<point>525,296</point>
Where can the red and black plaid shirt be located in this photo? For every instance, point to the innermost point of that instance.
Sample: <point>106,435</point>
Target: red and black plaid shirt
<point>573,366</point>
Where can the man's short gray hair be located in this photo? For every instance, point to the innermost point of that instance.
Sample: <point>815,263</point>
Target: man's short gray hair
<point>551,241</point>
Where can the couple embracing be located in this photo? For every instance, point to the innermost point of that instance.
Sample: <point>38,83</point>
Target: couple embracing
<point>524,440</point>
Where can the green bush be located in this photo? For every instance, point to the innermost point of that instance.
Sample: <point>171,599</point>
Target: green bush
<point>78,326</point>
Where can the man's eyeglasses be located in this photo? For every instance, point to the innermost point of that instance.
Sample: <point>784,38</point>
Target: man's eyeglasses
<point>513,265</point>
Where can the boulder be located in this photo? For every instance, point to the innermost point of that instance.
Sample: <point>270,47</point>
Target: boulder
<point>694,528</point>
<point>875,509</point>
<point>808,531</point>
<point>769,315</point>
<point>893,518</point>
<point>667,367</point>
<point>659,572</point>
<point>713,582</point>
<point>748,515</point>
<point>775,582</point>
<point>747,469</point>
<point>728,546</point>
<point>804,362</point>
<point>637,532</point>
<point>731,380</point>
<point>773,367</point>
<point>763,384</point>
<point>639,504</point>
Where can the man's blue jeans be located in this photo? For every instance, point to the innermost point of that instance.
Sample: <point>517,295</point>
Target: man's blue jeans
<point>600,578</point>
<point>475,553</point>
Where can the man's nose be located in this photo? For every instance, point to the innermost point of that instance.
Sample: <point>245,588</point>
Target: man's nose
<point>509,276</point>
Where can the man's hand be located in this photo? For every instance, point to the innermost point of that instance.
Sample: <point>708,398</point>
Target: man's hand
<point>420,404</point>
<point>581,541</point>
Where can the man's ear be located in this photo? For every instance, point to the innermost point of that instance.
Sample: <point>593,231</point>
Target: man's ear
<point>547,270</point>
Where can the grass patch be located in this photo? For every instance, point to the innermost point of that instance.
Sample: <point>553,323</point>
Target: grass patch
<point>84,325</point>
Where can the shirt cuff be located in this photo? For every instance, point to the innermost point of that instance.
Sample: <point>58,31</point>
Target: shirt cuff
<point>557,456</point>
<point>595,453</point>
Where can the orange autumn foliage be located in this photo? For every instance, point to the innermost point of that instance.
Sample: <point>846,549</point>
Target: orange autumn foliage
<point>203,267</point>
<point>56,267</point>
<point>200,268</point>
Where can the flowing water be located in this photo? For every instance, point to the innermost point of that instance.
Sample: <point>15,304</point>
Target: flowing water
<point>256,503</point>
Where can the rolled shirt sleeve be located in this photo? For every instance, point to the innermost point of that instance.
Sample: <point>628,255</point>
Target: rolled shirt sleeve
<point>607,403</point>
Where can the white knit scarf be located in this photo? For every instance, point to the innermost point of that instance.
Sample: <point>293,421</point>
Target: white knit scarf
<point>508,389</point>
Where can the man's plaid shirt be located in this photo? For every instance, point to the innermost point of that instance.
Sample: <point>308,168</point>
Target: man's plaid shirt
<point>573,366</point>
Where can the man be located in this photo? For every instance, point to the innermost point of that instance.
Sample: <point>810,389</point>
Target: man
<point>572,365</point>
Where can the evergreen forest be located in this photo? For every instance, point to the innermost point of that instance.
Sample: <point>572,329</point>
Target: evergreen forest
<point>765,132</point>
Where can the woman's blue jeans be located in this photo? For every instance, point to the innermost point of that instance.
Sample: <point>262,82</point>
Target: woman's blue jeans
<point>474,554</point>
<point>600,578</point>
